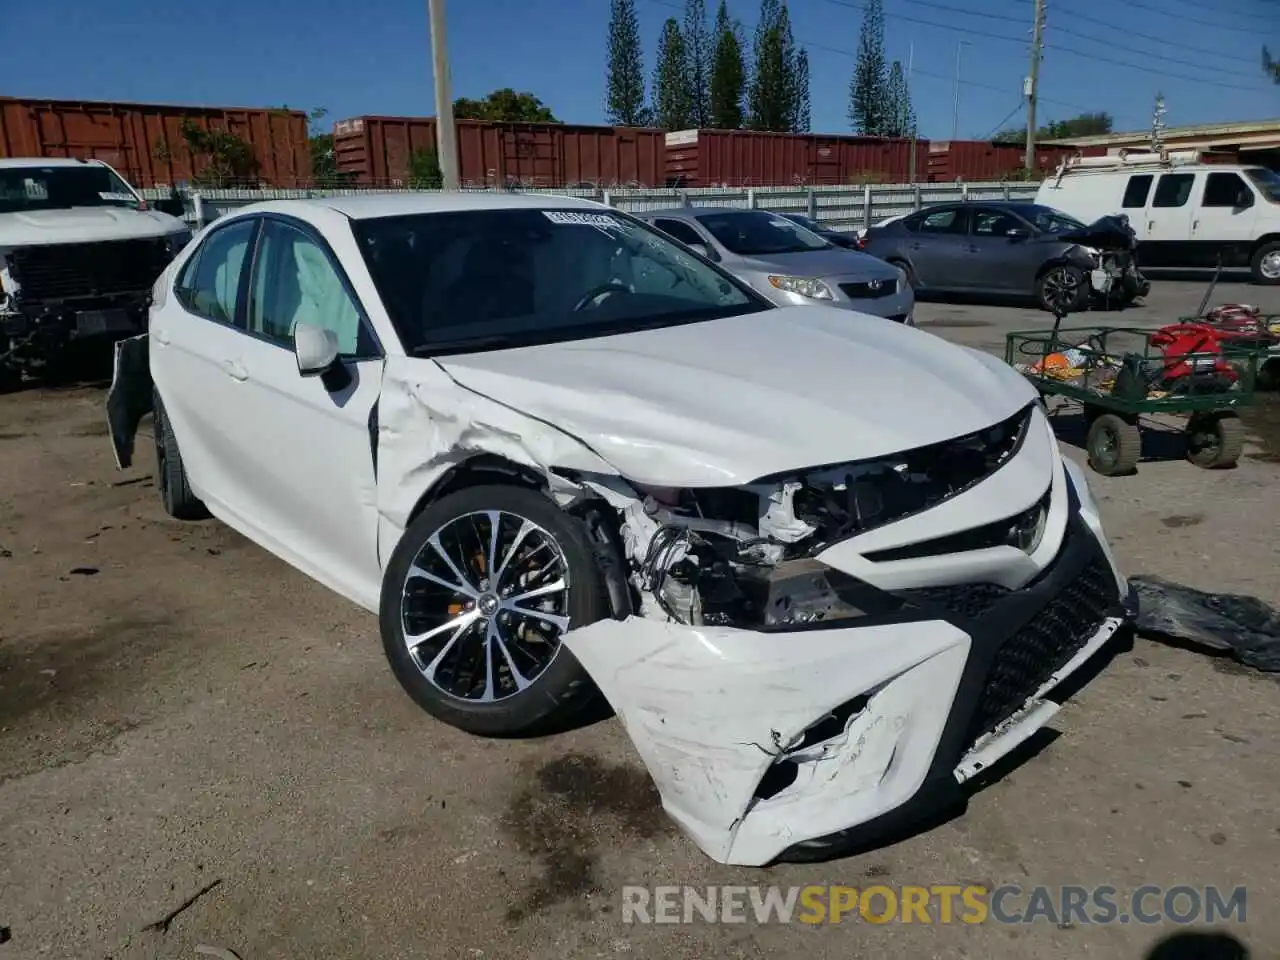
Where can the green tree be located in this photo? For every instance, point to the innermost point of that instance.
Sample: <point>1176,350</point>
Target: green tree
<point>424,170</point>
<point>1083,125</point>
<point>800,120</point>
<point>868,89</point>
<point>672,99</point>
<point>728,73</point>
<point>624,74</point>
<point>1269,66</point>
<point>505,104</point>
<point>218,158</point>
<point>901,120</point>
<point>771,99</point>
<point>697,44</point>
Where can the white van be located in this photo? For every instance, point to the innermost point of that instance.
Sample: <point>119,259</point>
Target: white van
<point>1185,211</point>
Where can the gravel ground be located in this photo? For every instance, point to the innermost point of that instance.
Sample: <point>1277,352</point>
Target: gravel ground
<point>180,712</point>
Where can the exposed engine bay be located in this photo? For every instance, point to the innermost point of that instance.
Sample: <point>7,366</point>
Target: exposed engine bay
<point>1111,243</point>
<point>743,557</point>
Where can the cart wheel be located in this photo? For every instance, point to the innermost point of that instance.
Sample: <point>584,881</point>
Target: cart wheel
<point>1114,445</point>
<point>1215,440</point>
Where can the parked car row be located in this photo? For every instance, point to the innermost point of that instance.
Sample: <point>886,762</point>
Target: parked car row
<point>561,454</point>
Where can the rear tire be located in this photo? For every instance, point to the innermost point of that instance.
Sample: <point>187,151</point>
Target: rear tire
<point>445,673</point>
<point>1215,440</point>
<point>171,476</point>
<point>1266,264</point>
<point>1114,445</point>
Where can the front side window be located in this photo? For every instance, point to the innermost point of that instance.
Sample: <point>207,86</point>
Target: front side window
<point>751,233</point>
<point>680,231</point>
<point>490,279</point>
<point>1051,221</point>
<point>995,223</point>
<point>210,280</point>
<point>1267,182</point>
<point>295,282</point>
<point>1173,190</point>
<point>23,189</point>
<point>1225,190</point>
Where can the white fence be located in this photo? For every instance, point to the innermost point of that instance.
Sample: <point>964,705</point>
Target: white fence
<point>846,208</point>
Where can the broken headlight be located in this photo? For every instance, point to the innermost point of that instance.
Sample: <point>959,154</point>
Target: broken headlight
<point>810,287</point>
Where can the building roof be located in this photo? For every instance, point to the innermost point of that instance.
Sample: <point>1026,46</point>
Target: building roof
<point>1224,131</point>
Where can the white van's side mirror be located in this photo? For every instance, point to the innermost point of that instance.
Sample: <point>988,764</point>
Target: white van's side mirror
<point>1244,199</point>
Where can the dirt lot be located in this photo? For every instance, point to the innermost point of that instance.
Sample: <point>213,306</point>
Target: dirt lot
<point>180,712</point>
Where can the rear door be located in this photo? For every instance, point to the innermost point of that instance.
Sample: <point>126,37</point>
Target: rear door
<point>938,246</point>
<point>1168,222</point>
<point>1224,224</point>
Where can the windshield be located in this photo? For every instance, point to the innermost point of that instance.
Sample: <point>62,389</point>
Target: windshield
<point>1267,182</point>
<point>750,233</point>
<point>1049,220</point>
<point>60,188</point>
<point>491,279</point>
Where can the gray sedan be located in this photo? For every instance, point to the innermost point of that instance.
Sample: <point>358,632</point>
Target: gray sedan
<point>1012,249</point>
<point>790,265</point>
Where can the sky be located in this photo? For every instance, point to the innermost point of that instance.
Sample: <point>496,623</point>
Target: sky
<point>373,57</point>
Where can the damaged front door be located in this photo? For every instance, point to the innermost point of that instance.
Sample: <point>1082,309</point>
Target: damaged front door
<point>130,396</point>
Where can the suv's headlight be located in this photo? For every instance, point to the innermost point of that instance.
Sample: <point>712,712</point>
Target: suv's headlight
<point>810,287</point>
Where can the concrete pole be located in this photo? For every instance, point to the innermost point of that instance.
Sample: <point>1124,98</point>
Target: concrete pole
<point>1033,81</point>
<point>446,131</point>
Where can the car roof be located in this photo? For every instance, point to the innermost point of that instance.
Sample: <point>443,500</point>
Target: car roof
<point>369,206</point>
<point>26,163</point>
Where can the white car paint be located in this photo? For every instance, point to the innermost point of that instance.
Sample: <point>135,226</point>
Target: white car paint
<point>710,709</point>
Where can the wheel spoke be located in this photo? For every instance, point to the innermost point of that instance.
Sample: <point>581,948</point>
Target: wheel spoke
<point>466,585</point>
<point>556,586</point>
<point>416,572</point>
<point>491,558</point>
<point>519,678</point>
<point>459,625</point>
<point>526,528</point>
<point>490,635</point>
<point>557,621</point>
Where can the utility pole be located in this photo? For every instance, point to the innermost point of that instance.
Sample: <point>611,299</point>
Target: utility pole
<point>1031,89</point>
<point>911,59</point>
<point>446,131</point>
<point>955,102</point>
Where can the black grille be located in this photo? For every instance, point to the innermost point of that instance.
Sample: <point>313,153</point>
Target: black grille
<point>970,600</point>
<point>871,290</point>
<point>1030,657</point>
<point>65,271</point>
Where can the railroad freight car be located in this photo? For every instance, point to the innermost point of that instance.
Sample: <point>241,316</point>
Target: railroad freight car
<point>145,143</point>
<point>750,158</point>
<point>378,151</point>
<point>979,160</point>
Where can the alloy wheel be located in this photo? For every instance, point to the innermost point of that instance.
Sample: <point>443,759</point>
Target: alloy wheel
<point>485,604</point>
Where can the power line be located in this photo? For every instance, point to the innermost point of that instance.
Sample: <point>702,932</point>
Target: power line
<point>1009,116</point>
<point>1138,5</point>
<point>1152,70</point>
<point>1146,36</point>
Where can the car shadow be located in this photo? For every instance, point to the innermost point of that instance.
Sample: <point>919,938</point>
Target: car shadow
<point>76,366</point>
<point>1207,945</point>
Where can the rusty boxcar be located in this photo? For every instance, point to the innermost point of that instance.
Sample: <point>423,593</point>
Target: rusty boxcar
<point>144,141</point>
<point>751,158</point>
<point>979,160</point>
<point>378,151</point>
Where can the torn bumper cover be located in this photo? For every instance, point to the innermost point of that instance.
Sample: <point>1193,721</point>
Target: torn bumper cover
<point>793,739</point>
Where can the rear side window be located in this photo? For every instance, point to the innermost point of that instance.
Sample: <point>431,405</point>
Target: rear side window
<point>1224,190</point>
<point>210,280</point>
<point>1137,190</point>
<point>679,231</point>
<point>1173,190</point>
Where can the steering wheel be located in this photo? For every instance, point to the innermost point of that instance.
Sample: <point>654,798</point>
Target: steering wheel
<point>613,286</point>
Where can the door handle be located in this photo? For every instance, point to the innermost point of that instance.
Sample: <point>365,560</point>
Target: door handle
<point>235,369</point>
<point>1195,224</point>
<point>161,337</point>
<point>1150,224</point>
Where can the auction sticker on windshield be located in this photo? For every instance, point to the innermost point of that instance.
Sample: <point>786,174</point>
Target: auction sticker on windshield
<point>601,221</point>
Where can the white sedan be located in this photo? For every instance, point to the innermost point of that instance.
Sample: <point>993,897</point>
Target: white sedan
<point>824,571</point>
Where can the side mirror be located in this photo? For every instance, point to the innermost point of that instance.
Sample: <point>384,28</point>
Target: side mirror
<point>704,251</point>
<point>316,349</point>
<point>1018,234</point>
<point>1244,200</point>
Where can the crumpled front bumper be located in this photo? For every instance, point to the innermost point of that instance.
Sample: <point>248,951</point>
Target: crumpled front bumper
<point>765,742</point>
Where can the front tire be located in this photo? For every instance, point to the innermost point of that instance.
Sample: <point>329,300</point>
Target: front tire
<point>171,476</point>
<point>475,602</point>
<point>1064,286</point>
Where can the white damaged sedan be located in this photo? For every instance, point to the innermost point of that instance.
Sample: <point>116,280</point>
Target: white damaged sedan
<point>822,569</point>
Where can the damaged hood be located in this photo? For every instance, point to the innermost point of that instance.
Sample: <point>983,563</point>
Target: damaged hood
<point>725,402</point>
<point>84,225</point>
